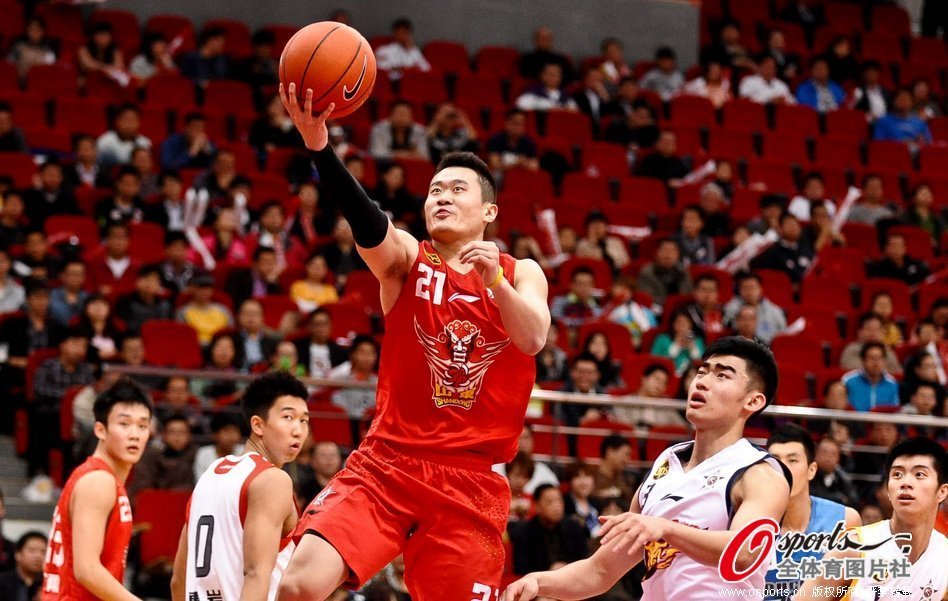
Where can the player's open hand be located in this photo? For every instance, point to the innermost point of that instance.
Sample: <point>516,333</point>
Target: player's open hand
<point>311,127</point>
<point>485,256</point>
<point>525,589</point>
<point>630,532</point>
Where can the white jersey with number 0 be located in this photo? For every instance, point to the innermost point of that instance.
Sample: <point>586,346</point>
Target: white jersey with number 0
<point>698,498</point>
<point>216,515</point>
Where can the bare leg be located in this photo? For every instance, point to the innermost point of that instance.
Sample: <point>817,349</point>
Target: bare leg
<point>315,571</point>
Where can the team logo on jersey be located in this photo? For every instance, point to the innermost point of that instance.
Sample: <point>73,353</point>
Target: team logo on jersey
<point>322,496</point>
<point>433,257</point>
<point>224,466</point>
<point>928,591</point>
<point>711,480</point>
<point>458,357</point>
<point>661,471</point>
<point>659,555</point>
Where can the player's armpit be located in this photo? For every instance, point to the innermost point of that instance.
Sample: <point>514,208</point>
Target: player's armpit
<point>523,307</point>
<point>180,568</point>
<point>269,505</point>
<point>391,260</point>
<point>824,585</point>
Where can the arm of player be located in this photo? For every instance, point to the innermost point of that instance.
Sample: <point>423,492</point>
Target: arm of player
<point>179,570</point>
<point>821,586</point>
<point>853,519</point>
<point>523,307</point>
<point>263,529</point>
<point>93,499</point>
<point>387,251</point>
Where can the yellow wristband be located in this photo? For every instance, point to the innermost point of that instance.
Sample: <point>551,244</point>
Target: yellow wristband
<point>500,276</point>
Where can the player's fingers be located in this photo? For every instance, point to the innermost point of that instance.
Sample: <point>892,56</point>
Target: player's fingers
<point>640,542</point>
<point>325,114</point>
<point>308,103</point>
<point>291,93</point>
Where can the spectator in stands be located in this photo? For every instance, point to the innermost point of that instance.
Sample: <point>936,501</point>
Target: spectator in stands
<point>730,51</point>
<point>770,318</point>
<point>921,213</point>
<point>450,130</point>
<point>597,346</point>
<point>115,269</point>
<point>548,540</point>
<point>190,148</point>
<point>512,147</point>
<point>872,205</point>
<point>146,302</point>
<point>814,192</point>
<point>12,295</point>
<point>900,124</point>
<point>598,244</point>
<point>342,256</point>
<point>696,247</point>
<point>201,312</point>
<point>653,385</point>
<point>665,164</point>
<point>270,233</point>
<point>68,299</point>
<point>820,92</point>
<point>261,68</point>
<point>259,280</point>
<point>614,67</point>
<point>552,360</point>
<point>532,63</point>
<point>788,63</point>
<point>625,310</point>
<point>706,310</point>
<point>361,367</point>
<point>319,353</point>
<point>51,196</point>
<point>745,324</point>
<point>881,434</point>
<point>7,548</point>
<point>314,218</point>
<point>924,106</point>
<point>24,581</point>
<point>578,505</point>
<point>548,94</point>
<point>85,171</point>
<point>227,440</point>
<point>209,61</point>
<point>394,198</point>
<point>36,261</point>
<point>625,97</point>
<point>313,291</point>
<point>870,331</point>
<point>583,379</point>
<point>167,208</point>
<point>843,66</point>
<point>402,53</point>
<point>711,84</point>
<point>274,129</point>
<point>881,305</point>
<point>32,331</point>
<point>219,178</point>
<point>102,55</point>
<point>144,163</point>
<point>115,146</point>
<point>98,325</point>
<point>12,223</point>
<point>126,205</point>
<point>593,98</point>
<point>11,136</point>
<point>921,368</point>
<point>176,400</point>
<point>665,274</point>
<point>664,78</point>
<point>832,481</point>
<point>615,453</point>
<point>636,129</point>
<point>154,59</point>
<point>252,337</point>
<point>897,264</point>
<point>765,87</point>
<point>681,342</point>
<point>222,354</point>
<point>398,136</point>
<point>923,400</point>
<point>176,271</point>
<point>170,464</point>
<point>325,461</point>
<point>871,386</point>
<point>224,244</point>
<point>33,48</point>
<point>579,304</point>
<point>285,359</point>
<point>50,382</point>
<point>791,254</point>
<point>870,97</point>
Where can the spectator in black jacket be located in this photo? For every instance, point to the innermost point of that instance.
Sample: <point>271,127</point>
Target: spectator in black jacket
<point>23,582</point>
<point>126,204</point>
<point>791,254</point>
<point>146,302</point>
<point>208,62</point>
<point>897,264</point>
<point>252,338</point>
<point>548,540</point>
<point>531,63</point>
<point>665,164</point>
<point>11,137</point>
<point>320,353</point>
<point>52,197</point>
<point>259,280</point>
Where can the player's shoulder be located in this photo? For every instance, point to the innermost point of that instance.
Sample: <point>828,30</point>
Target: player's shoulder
<point>764,478</point>
<point>270,478</point>
<point>528,268</point>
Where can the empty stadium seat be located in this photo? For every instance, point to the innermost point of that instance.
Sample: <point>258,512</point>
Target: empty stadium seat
<point>695,111</point>
<point>786,147</point>
<point>447,56</point>
<point>604,159</point>
<point>171,343</point>
<point>731,145</point>
<point>588,445</point>
<point>570,125</point>
<point>579,186</point>
<point>796,119</point>
<point>498,60</point>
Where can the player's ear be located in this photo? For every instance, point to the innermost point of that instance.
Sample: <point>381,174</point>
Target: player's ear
<point>100,430</point>
<point>256,425</point>
<point>811,470</point>
<point>490,211</point>
<point>942,493</point>
<point>755,401</point>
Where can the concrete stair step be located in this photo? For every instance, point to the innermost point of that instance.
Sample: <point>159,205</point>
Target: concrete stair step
<point>13,487</point>
<point>20,509</point>
<point>12,468</point>
<point>7,446</point>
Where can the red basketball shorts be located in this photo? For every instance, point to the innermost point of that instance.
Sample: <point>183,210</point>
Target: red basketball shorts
<point>446,515</point>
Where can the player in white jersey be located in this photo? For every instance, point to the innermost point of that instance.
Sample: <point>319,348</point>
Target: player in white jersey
<point>697,496</point>
<point>236,543</point>
<point>917,482</point>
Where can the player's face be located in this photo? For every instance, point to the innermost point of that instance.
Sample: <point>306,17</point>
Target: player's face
<point>285,429</point>
<point>793,455</point>
<point>455,209</point>
<point>721,391</point>
<point>913,486</point>
<point>126,434</point>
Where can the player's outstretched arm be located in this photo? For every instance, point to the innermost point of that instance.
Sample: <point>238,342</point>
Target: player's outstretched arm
<point>179,571</point>
<point>822,587</point>
<point>388,252</point>
<point>579,580</point>
<point>269,504</point>
<point>93,499</point>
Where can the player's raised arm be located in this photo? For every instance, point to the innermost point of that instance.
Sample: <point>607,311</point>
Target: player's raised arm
<point>388,252</point>
<point>269,504</point>
<point>180,568</point>
<point>93,499</point>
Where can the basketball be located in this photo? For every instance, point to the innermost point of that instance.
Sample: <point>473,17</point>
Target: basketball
<point>332,59</point>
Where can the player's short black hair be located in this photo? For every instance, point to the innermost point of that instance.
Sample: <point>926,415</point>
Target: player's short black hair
<point>612,442</point>
<point>27,537</point>
<point>761,365</point>
<point>469,160</point>
<point>265,390</point>
<point>360,340</point>
<point>176,417</point>
<point>748,276</point>
<point>772,200</point>
<point>123,391</point>
<point>794,433</point>
<point>32,285</point>
<point>922,447</point>
<point>173,237</point>
<point>210,33</point>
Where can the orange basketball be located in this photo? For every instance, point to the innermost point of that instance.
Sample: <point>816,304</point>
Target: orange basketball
<point>332,59</point>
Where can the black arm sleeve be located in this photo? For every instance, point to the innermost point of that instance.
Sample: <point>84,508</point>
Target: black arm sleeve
<point>369,224</point>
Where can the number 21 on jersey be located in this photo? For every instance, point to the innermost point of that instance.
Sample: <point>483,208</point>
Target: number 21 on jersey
<point>423,285</point>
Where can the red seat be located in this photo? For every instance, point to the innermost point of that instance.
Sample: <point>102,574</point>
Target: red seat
<point>731,145</point>
<point>777,286</point>
<point>587,445</point>
<point>536,185</point>
<point>236,34</point>
<point>171,343</point>
<point>662,437</point>
<point>849,123</point>
<point>844,17</point>
<point>146,242</point>
<point>44,139</point>
<point>881,46</point>
<point>689,139</point>
<point>695,111</point>
<point>77,114</point>
<point>644,192</point>
<point>482,89</point>
<point>423,88</point>
<point>787,148</point>
<point>62,20</point>
<point>544,442</point>
<point>741,114</point>
<point>620,340</point>
<point>635,365</point>
<point>61,227</point>
<point>29,109</point>
<point>928,50</point>
<point>888,154</point>
<point>777,176</point>
<point>418,175</point>
<point>275,306</point>
<point>918,243</point>
<point>52,81</point>
<point>745,205</point>
<point>160,516</point>
<point>928,294</point>
<point>801,352</point>
<point>932,160</point>
<point>447,56</point>
<point>797,119</point>
<point>570,125</point>
<point>230,96</point>
<point>362,287</point>
<point>331,423</point>
<point>66,419</point>
<point>824,290</point>
<point>836,151</point>
<point>793,387</point>
<point>863,238</point>
<point>749,12</point>
<point>499,61</point>
<point>824,321</point>
<point>20,167</point>
<point>891,18</point>
<point>348,319</point>
<point>281,35</point>
<point>911,72</point>
<point>34,361</point>
<point>604,159</point>
<point>12,24</point>
<point>579,186</point>
<point>602,272</point>
<point>170,90</point>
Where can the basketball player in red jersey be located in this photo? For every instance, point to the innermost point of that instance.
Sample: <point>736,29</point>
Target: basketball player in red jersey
<point>92,523</point>
<point>462,323</point>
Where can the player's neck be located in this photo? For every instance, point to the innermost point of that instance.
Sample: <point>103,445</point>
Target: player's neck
<point>709,443</point>
<point>797,517</point>
<point>256,445</point>
<point>121,469</point>
<point>921,531</point>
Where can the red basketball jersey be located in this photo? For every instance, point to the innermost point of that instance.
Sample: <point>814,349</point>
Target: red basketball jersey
<point>450,379</point>
<point>60,583</point>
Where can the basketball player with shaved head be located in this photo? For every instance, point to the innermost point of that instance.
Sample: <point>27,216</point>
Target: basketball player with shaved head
<point>463,322</point>
<point>696,498</point>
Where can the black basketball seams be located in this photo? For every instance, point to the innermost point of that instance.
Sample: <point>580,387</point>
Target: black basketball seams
<point>310,61</point>
<point>346,70</point>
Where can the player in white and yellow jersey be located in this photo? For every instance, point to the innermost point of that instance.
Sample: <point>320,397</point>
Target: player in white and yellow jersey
<point>917,482</point>
<point>236,543</point>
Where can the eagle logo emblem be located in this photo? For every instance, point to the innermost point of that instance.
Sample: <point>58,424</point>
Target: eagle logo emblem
<point>659,555</point>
